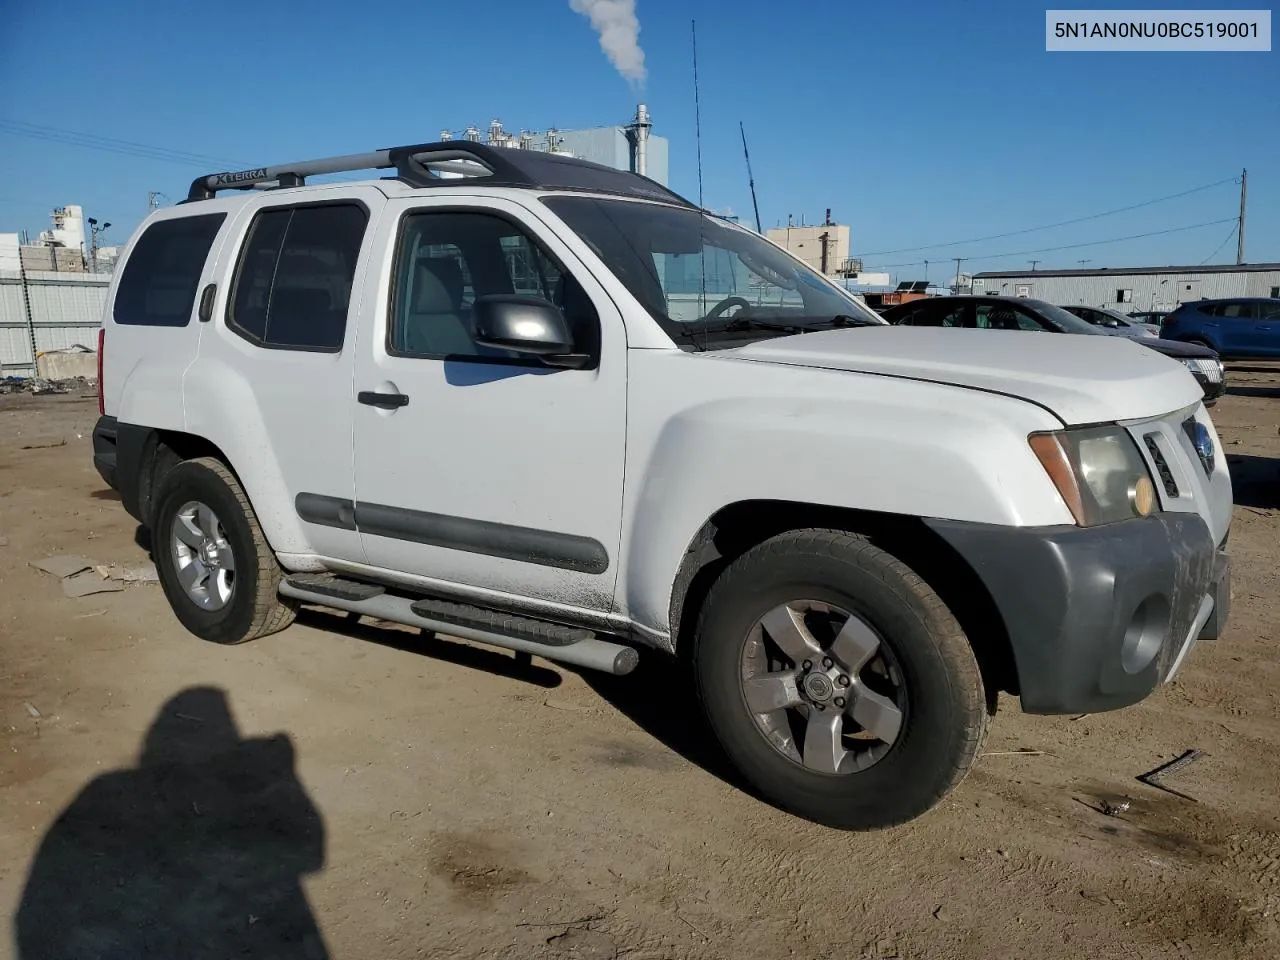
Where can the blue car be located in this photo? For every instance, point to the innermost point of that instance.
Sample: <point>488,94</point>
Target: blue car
<point>1236,329</point>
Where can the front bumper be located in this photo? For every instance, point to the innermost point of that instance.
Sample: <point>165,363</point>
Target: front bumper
<point>1098,617</point>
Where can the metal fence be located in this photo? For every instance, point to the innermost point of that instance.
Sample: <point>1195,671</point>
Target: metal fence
<point>46,310</point>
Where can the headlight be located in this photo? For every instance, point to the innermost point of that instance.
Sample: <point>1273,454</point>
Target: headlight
<point>1099,473</point>
<point>1208,367</point>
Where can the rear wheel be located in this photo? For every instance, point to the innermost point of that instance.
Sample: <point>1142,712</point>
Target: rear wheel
<point>837,681</point>
<point>216,568</point>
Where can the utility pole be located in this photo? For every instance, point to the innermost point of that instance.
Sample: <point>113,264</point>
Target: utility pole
<point>1033,265</point>
<point>926,275</point>
<point>959,260</point>
<point>153,200</point>
<point>1244,186</point>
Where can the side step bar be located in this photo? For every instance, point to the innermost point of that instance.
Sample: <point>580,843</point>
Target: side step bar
<point>499,630</point>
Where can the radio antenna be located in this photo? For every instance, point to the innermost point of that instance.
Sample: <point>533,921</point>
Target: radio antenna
<point>750,179</point>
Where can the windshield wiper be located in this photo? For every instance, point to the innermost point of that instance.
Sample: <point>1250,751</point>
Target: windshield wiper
<point>750,323</point>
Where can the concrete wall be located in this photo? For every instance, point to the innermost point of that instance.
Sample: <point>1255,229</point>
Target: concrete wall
<point>1149,291</point>
<point>66,310</point>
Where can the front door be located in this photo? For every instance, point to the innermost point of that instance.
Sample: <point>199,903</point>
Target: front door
<point>497,474</point>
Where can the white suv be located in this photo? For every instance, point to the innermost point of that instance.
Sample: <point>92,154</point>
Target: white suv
<point>535,402</point>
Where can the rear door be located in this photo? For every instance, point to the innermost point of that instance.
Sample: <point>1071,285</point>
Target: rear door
<point>273,383</point>
<point>1236,326</point>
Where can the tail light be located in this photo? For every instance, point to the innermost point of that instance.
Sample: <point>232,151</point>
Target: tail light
<point>102,341</point>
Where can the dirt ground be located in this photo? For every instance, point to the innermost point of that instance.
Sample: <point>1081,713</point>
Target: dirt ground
<point>360,791</point>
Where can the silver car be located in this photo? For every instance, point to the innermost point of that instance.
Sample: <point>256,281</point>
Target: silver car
<point>1114,324</point>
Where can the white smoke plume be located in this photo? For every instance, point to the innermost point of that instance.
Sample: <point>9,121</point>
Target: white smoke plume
<point>615,21</point>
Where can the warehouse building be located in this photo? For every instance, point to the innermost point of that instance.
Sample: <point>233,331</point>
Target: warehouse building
<point>1133,289</point>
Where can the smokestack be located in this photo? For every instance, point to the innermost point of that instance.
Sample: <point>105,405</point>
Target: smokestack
<point>615,21</point>
<point>638,132</point>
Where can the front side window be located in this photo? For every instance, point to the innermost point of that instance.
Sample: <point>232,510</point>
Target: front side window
<point>158,286</point>
<point>447,259</point>
<point>293,283</point>
<point>705,281</point>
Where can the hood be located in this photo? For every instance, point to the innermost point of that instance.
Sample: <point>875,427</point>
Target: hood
<point>1176,348</point>
<point>1080,379</point>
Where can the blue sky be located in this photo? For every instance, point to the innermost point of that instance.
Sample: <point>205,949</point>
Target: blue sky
<point>917,123</point>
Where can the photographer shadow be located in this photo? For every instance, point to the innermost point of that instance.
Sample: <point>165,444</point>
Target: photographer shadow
<point>197,852</point>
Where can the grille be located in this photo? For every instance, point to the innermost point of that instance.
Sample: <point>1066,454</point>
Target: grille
<point>1162,466</point>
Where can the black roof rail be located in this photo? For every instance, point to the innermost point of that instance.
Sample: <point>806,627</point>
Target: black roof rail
<point>420,165</point>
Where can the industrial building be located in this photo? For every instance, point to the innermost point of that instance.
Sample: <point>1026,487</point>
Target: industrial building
<point>631,147</point>
<point>1133,289</point>
<point>823,246</point>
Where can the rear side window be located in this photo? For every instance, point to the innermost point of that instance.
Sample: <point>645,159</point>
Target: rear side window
<point>293,282</point>
<point>158,286</point>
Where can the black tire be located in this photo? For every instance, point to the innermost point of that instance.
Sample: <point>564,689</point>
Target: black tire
<point>255,607</point>
<point>941,732</point>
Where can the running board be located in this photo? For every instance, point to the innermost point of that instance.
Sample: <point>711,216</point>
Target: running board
<point>588,651</point>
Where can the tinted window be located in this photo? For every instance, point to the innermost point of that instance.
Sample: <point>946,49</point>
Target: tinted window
<point>158,286</point>
<point>446,260</point>
<point>1002,316</point>
<point>294,280</point>
<point>1239,311</point>
<point>948,313</point>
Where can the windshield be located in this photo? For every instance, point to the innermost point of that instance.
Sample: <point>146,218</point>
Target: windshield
<point>704,280</point>
<point>1064,320</point>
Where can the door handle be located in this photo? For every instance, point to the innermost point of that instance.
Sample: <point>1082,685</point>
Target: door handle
<point>388,401</point>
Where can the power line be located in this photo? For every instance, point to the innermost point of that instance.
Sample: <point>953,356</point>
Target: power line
<point>1075,246</point>
<point>1219,247</point>
<point>1051,226</point>
<point>129,148</point>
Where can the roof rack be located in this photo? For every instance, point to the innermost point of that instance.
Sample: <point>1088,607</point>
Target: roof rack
<point>421,165</point>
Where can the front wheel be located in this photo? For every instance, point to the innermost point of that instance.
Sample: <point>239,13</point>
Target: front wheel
<point>837,681</point>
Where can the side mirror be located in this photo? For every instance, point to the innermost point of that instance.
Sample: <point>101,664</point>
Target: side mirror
<point>521,324</point>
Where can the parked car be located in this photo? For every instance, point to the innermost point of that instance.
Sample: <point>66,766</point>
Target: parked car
<point>1023,313</point>
<point>417,398</point>
<point>1112,323</point>
<point>1236,329</point>
<point>1152,318</point>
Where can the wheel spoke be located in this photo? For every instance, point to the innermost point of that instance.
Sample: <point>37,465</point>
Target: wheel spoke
<point>876,713</point>
<point>185,529</point>
<point>773,691</point>
<point>785,627</point>
<point>822,749</point>
<point>191,575</point>
<point>226,559</point>
<point>207,522</point>
<point>855,644</point>
<point>222,581</point>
